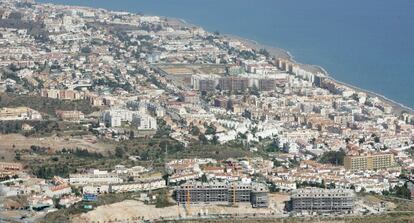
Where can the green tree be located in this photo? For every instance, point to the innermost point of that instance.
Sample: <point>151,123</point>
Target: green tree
<point>131,134</point>
<point>162,200</point>
<point>214,140</point>
<point>76,191</point>
<point>211,130</point>
<point>203,139</point>
<point>264,52</point>
<point>254,90</point>
<point>86,50</point>
<point>195,131</point>
<point>56,201</point>
<point>333,157</point>
<point>17,156</point>
<point>273,147</point>
<point>402,191</point>
<point>119,152</point>
<point>204,178</point>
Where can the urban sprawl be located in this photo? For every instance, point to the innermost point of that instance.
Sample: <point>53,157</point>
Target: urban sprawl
<point>173,122</point>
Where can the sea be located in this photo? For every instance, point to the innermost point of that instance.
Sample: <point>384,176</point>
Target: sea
<point>368,44</point>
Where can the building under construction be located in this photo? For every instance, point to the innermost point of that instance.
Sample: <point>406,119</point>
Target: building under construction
<point>224,192</point>
<point>322,200</point>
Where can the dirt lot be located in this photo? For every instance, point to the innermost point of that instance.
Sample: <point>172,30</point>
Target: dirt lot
<point>177,69</point>
<point>12,142</point>
<point>132,210</point>
<point>181,74</point>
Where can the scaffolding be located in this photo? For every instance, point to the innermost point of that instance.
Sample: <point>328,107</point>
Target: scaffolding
<point>220,192</point>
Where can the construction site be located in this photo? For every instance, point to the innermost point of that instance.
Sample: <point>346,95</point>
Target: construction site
<point>323,200</point>
<point>231,193</point>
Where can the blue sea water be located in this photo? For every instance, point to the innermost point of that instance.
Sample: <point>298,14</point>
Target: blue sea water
<point>369,43</point>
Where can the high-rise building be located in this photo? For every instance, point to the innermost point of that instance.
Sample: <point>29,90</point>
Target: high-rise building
<point>221,102</point>
<point>204,82</point>
<point>225,84</point>
<point>233,83</point>
<point>144,122</point>
<point>369,161</point>
<point>224,192</point>
<point>207,85</point>
<point>267,84</point>
<point>322,200</point>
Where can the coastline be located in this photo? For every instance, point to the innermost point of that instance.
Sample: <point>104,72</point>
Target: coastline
<point>397,107</point>
<point>282,53</point>
<point>276,52</point>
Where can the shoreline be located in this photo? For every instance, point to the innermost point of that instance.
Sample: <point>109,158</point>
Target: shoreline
<point>283,53</point>
<point>397,107</point>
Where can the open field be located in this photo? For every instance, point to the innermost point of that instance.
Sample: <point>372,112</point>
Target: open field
<point>13,142</point>
<point>176,69</point>
<point>47,106</point>
<point>180,74</point>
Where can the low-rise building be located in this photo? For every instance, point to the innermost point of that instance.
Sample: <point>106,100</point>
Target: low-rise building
<point>58,191</point>
<point>4,166</point>
<point>142,185</point>
<point>94,177</point>
<point>71,116</point>
<point>19,113</point>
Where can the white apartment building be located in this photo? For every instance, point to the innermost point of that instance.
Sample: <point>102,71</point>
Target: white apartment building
<point>137,186</point>
<point>94,177</point>
<point>114,118</point>
<point>144,122</point>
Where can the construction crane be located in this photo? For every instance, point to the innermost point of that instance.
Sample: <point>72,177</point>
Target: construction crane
<point>187,205</point>
<point>234,185</point>
<point>234,194</point>
<point>178,207</point>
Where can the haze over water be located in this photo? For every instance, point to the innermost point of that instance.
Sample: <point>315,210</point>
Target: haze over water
<point>369,43</point>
